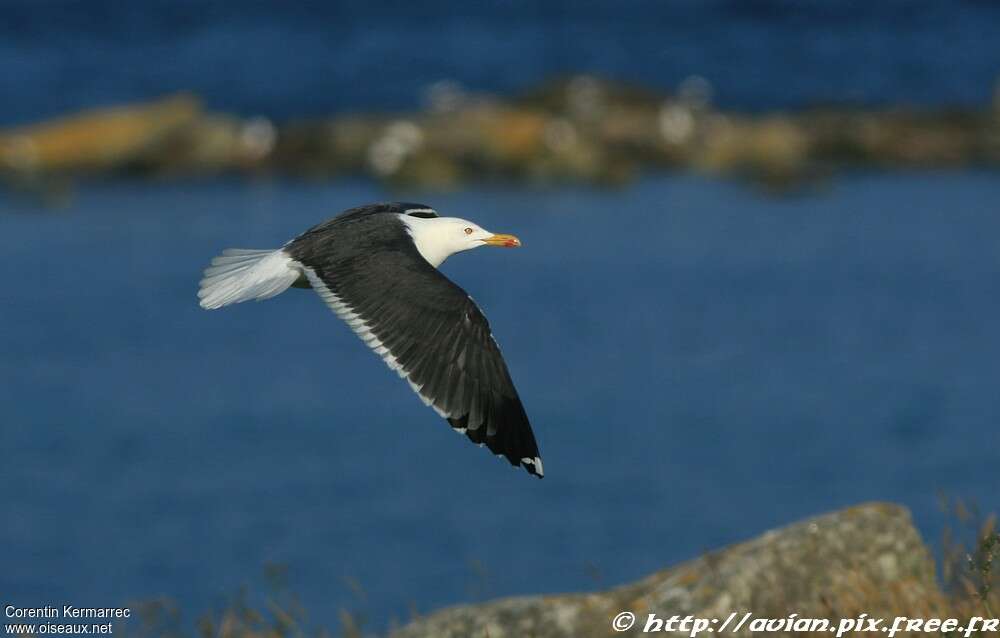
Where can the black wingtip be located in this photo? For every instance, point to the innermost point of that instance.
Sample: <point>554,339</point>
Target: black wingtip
<point>524,452</point>
<point>534,466</point>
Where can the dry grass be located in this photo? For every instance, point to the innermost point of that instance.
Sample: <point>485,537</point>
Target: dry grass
<point>969,571</point>
<point>278,614</point>
<point>970,562</point>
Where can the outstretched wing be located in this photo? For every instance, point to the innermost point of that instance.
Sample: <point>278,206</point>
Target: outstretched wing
<point>432,334</point>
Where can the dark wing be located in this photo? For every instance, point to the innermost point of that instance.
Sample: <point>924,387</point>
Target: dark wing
<point>432,334</point>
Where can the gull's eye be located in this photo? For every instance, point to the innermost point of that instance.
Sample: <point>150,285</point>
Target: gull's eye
<point>468,231</point>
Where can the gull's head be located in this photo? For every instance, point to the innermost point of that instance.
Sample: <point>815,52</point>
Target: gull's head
<point>438,238</point>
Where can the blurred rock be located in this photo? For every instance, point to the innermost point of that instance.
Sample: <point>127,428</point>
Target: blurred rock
<point>398,141</point>
<point>587,96</point>
<point>101,139</point>
<point>898,137</point>
<point>445,96</point>
<point>209,145</point>
<point>580,128</point>
<point>864,559</point>
<point>771,149</point>
<point>319,148</point>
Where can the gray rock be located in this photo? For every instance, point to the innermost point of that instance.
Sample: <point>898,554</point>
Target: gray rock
<point>867,558</point>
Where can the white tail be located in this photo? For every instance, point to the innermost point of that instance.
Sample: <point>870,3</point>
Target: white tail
<point>239,275</point>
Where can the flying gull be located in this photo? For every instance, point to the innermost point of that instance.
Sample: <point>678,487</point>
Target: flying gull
<point>376,267</point>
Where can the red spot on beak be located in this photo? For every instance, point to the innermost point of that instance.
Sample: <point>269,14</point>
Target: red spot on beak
<point>506,241</point>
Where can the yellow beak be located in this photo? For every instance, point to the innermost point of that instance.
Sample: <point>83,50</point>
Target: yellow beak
<point>507,241</point>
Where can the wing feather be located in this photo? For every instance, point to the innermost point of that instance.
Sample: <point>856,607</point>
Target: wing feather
<point>430,332</point>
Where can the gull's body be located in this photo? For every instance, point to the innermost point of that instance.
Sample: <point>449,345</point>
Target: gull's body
<point>376,267</point>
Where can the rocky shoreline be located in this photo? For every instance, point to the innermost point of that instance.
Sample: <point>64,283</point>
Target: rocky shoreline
<point>867,559</point>
<point>862,562</point>
<point>580,129</point>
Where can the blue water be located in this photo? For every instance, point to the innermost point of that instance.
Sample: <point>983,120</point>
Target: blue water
<point>701,364</point>
<point>284,59</point>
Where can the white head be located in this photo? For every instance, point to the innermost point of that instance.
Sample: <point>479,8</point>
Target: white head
<point>438,238</point>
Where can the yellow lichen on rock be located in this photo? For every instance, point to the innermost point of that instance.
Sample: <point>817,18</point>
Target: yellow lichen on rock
<point>98,139</point>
